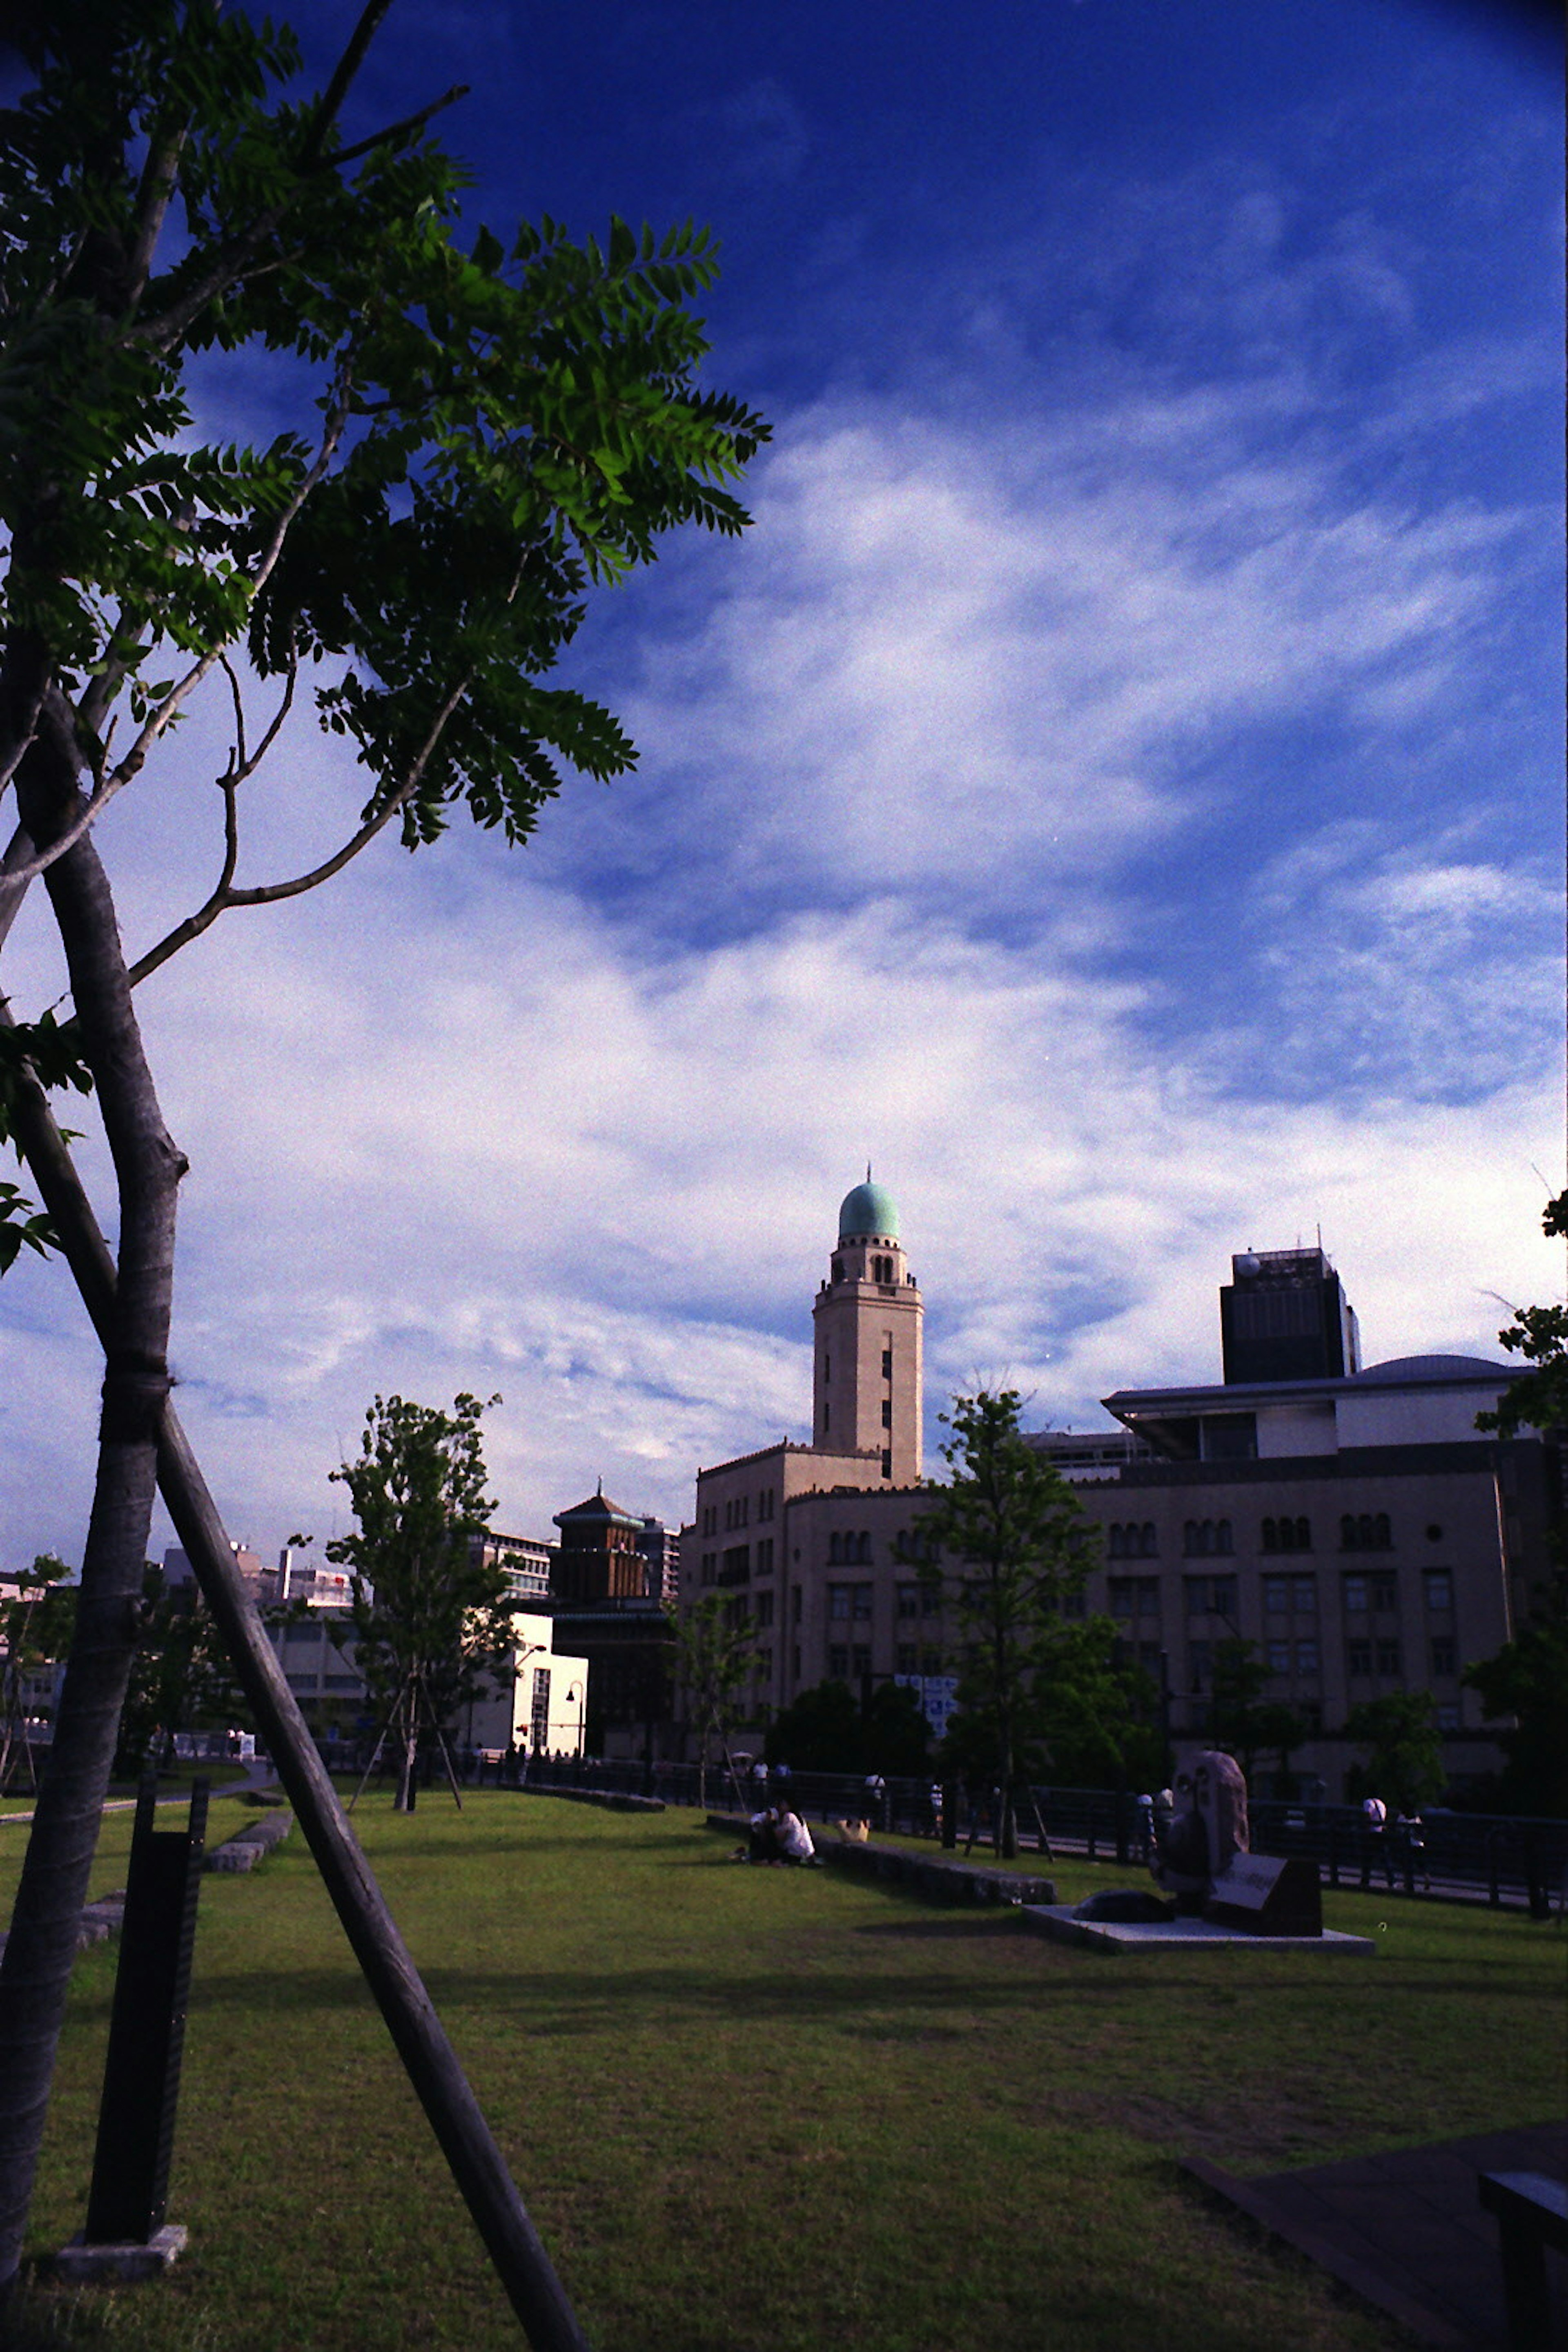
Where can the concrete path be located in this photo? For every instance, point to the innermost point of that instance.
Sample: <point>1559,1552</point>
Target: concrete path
<point>1406,2230</point>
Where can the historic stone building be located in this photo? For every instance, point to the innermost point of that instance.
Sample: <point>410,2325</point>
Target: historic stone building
<point>1352,1524</point>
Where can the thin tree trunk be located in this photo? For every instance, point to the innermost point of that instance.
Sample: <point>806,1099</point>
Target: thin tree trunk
<point>476,2164</point>
<point>40,1951</point>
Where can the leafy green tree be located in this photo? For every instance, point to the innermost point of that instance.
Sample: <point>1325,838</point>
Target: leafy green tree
<point>1014,1546</point>
<point>483,430</point>
<point>716,1658</point>
<point>825,1729</point>
<point>1528,1679</point>
<point>431,1616</point>
<point>180,1679</point>
<point>1404,1750</point>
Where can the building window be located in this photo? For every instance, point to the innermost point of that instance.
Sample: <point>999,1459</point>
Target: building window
<point>931,1598</point>
<point>887,1413</point>
<point>1306,1657</point>
<point>1384,1589</point>
<point>764,1667</point>
<point>1445,1655</point>
<point>887,1461</point>
<point>826,1370</point>
<point>860,1659</point>
<point>1279,1657</point>
<point>1134,1596</point>
<point>765,1555</point>
<point>796,1597</point>
<point>908,1600</point>
<point>1355,1596</point>
<point>931,1662</point>
<point>1358,1658</point>
<point>1440,1584</point>
<point>1150,1547</point>
<point>886,1363</point>
<point>837,1661</point>
<point>838,1600</point>
<point>826,1416</point>
<point>908,1656</point>
<point>1388,1657</point>
<point>1448,1718</point>
<point>1276,1595</point>
<point>835,1549</point>
<point>1304,1595</point>
<point>862,1602</point>
<point>794,1662</point>
<point>1200,1665</point>
<point>1287,1535</point>
<point>1116,1541</point>
<point>709,1566</point>
<point>736,1566</point>
<point>765,1608</point>
<point>1210,1596</point>
<point>1203,1538</point>
<point>765,1503</point>
<point>1365,1531</point>
<point>838,1269</point>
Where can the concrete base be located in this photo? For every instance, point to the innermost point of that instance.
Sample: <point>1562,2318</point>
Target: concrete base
<point>80,2265</point>
<point>1060,1921</point>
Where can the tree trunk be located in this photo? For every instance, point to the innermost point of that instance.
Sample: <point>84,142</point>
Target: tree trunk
<point>477,2166</point>
<point>41,1948</point>
<point>408,1772</point>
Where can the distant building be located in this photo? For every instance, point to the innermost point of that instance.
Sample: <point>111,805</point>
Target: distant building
<point>524,1560</point>
<point>261,1583</point>
<point>610,1576</point>
<point>1351,1523</point>
<point>538,1697</point>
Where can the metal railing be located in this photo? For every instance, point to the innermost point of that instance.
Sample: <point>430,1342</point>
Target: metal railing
<point>1500,1858</point>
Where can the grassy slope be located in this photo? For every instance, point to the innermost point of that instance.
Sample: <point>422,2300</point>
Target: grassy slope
<point>758,2111</point>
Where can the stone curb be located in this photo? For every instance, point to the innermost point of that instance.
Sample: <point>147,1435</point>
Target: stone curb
<point>936,1881</point>
<point>612,1799</point>
<point>249,1845</point>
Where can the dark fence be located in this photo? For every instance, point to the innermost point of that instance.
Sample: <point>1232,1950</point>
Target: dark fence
<point>1500,1859</point>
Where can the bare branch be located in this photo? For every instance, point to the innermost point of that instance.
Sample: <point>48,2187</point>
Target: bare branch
<point>403,130</point>
<point>156,192</point>
<point>19,850</point>
<point>343,72</point>
<point>110,786</point>
<point>267,894</point>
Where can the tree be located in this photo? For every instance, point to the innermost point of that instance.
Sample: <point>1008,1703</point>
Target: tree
<point>430,1614</point>
<point>181,1676</point>
<point>716,1659</point>
<point>1015,1547</point>
<point>1528,1678</point>
<point>825,1729</point>
<point>484,431</point>
<point>1404,1751</point>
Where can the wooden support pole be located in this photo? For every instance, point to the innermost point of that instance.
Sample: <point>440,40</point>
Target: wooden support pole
<point>511,2239</point>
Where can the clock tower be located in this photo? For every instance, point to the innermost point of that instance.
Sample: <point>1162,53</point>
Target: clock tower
<point>868,1384</point>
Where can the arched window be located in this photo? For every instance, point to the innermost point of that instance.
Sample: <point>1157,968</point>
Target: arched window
<point>1347,1533</point>
<point>1150,1545</point>
<point>1303,1534</point>
<point>863,1552</point>
<point>1270,1535</point>
<point>834,1550</point>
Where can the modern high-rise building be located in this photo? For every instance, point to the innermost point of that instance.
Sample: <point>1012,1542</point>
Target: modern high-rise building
<point>1284,1315</point>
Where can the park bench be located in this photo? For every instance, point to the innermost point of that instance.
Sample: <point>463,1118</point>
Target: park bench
<point>1532,2214</point>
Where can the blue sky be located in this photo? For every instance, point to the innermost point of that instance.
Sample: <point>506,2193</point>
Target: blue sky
<point>1116,787</point>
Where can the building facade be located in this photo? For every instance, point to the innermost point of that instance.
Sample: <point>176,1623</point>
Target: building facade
<point>1351,1523</point>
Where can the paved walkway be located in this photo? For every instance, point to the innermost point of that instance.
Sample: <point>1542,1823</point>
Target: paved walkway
<point>1406,2230</point>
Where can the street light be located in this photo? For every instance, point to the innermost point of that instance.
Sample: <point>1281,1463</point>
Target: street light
<point>578,1692</point>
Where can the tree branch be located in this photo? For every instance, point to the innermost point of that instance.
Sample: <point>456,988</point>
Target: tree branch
<point>267,894</point>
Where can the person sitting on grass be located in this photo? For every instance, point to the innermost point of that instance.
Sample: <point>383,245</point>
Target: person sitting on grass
<point>794,1838</point>
<point>762,1839</point>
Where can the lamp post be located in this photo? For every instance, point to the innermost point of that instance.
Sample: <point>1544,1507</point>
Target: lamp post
<point>578,1692</point>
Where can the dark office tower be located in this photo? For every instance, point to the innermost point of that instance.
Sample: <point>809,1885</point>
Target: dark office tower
<point>1284,1315</point>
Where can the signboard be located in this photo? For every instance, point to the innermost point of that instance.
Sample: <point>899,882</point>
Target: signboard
<point>937,1695</point>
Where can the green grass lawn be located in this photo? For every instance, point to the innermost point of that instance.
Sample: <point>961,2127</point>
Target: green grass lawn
<point>772,2111</point>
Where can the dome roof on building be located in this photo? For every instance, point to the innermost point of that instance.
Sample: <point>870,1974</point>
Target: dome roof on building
<point>868,1209</point>
<point>1436,1368</point>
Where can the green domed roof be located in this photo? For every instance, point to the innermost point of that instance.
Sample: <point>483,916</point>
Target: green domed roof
<point>868,1209</point>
